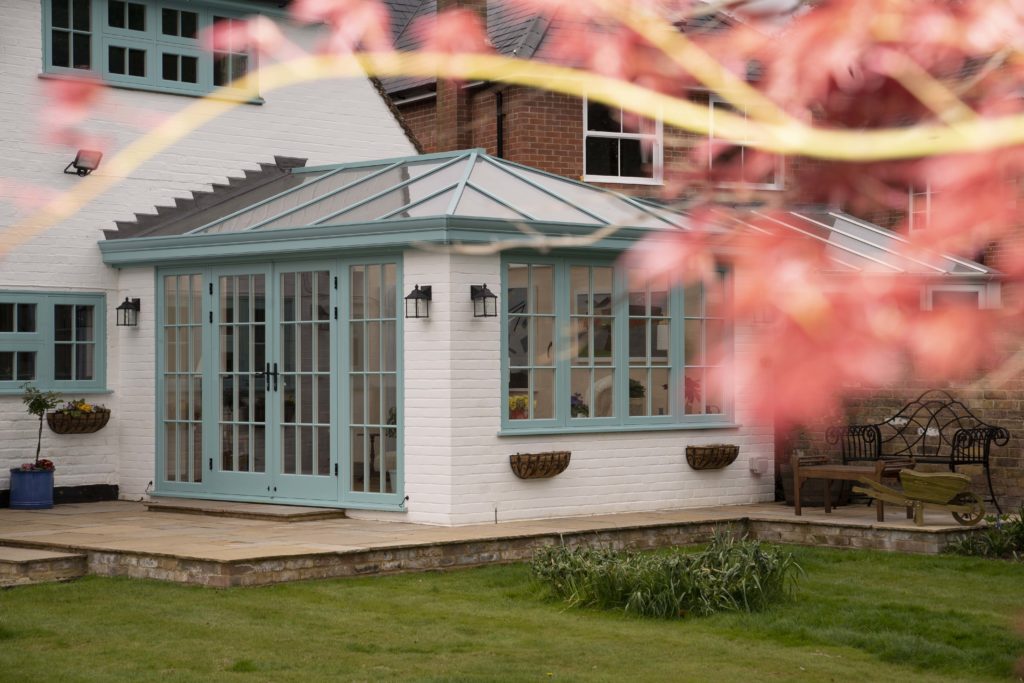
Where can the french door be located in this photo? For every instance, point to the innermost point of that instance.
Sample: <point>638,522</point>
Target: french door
<point>291,386</point>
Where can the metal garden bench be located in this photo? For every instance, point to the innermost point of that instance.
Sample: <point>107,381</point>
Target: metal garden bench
<point>934,428</point>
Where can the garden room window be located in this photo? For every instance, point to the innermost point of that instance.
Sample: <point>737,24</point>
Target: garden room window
<point>53,341</point>
<point>144,44</point>
<point>590,346</point>
<point>620,148</point>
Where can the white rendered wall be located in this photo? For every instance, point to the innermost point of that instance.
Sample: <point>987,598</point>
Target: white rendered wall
<point>453,420</point>
<point>326,122</point>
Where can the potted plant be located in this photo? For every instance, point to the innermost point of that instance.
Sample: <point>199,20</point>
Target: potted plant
<point>518,407</point>
<point>32,483</point>
<point>578,407</point>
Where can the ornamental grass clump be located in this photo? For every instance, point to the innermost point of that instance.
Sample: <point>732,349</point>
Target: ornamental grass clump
<point>729,575</point>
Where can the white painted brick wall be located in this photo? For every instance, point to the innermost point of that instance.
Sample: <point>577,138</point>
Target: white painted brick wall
<point>452,422</point>
<point>336,121</point>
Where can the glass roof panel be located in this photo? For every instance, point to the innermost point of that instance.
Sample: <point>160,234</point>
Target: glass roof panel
<point>525,198</point>
<point>422,188</point>
<point>476,203</point>
<point>435,206</point>
<point>314,185</point>
<point>308,215</point>
<point>612,208</point>
<point>322,209</point>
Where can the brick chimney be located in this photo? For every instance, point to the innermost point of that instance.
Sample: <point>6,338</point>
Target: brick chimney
<point>452,118</point>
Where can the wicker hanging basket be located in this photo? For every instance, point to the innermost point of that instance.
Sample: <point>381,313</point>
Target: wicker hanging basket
<point>713,457</point>
<point>539,465</point>
<point>65,423</point>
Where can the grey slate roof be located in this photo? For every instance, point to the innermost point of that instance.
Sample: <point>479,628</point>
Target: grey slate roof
<point>512,29</point>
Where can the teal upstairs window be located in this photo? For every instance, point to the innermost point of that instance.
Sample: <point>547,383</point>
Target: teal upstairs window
<point>144,44</point>
<point>53,341</point>
<point>591,346</point>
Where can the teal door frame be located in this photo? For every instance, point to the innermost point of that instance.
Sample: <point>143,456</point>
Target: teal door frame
<point>331,491</point>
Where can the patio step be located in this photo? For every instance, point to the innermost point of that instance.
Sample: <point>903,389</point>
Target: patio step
<point>223,508</point>
<point>21,566</point>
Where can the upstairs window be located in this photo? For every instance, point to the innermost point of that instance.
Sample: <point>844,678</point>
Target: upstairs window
<point>614,150</point>
<point>748,176</point>
<point>144,44</point>
<point>919,207</point>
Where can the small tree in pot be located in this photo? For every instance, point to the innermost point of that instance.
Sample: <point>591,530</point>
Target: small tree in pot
<point>32,483</point>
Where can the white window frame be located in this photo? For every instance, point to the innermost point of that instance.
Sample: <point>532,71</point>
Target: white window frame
<point>919,203</point>
<point>657,140</point>
<point>780,168</point>
<point>988,294</point>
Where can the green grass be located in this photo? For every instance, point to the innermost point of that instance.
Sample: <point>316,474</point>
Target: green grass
<point>856,616</point>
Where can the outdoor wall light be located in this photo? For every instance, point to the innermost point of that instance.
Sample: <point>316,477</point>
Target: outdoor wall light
<point>128,313</point>
<point>485,303</point>
<point>86,161</point>
<point>417,304</point>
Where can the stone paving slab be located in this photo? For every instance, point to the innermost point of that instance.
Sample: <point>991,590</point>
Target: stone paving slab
<point>251,511</point>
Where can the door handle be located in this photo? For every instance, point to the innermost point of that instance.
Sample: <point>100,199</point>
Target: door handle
<point>273,374</point>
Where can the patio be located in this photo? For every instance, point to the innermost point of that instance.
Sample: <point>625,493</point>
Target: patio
<point>262,544</point>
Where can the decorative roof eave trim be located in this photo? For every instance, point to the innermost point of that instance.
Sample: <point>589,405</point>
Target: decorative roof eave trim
<point>393,234</point>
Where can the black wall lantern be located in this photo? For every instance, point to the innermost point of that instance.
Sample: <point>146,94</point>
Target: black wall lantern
<point>485,303</point>
<point>86,161</point>
<point>128,313</point>
<point>417,304</point>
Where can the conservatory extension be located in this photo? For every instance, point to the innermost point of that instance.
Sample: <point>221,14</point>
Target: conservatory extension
<point>382,336</point>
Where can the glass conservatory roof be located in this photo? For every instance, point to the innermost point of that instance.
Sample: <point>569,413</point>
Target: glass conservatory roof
<point>854,245</point>
<point>465,183</point>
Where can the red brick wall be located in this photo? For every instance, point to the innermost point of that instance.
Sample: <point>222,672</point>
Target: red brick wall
<point>419,116</point>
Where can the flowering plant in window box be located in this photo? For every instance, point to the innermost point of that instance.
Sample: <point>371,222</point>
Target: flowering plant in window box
<point>78,417</point>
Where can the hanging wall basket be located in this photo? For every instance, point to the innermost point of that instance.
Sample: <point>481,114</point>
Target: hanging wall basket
<point>539,465</point>
<point>66,423</point>
<point>713,457</point>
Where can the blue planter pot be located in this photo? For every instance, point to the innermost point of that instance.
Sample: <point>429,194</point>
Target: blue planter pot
<point>31,490</point>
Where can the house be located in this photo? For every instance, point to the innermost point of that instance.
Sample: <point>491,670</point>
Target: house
<point>351,324</point>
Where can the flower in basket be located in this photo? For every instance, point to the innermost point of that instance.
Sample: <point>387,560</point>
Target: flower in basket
<point>80,408</point>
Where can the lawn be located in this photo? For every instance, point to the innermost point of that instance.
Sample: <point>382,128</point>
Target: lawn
<point>860,616</point>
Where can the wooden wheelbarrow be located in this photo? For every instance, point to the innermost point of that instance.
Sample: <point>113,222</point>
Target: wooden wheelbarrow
<point>937,490</point>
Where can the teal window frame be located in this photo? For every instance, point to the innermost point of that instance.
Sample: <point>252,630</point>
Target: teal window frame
<point>152,40</point>
<point>621,420</point>
<point>43,342</point>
